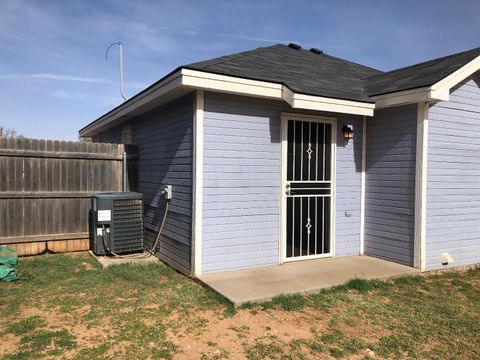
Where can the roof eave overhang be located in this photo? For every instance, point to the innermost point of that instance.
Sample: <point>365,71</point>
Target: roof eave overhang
<point>185,80</point>
<point>425,94</point>
<point>139,101</point>
<point>319,103</point>
<point>440,91</point>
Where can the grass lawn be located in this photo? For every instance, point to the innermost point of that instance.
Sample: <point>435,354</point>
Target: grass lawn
<point>67,306</point>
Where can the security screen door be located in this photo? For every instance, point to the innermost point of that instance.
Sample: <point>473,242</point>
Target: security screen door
<point>308,188</point>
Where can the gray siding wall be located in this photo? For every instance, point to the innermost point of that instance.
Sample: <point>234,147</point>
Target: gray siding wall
<point>112,136</point>
<point>241,183</point>
<point>164,140</point>
<point>242,178</point>
<point>453,181</point>
<point>348,187</point>
<point>390,184</point>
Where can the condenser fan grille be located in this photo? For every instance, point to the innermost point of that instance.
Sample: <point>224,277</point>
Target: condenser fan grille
<point>128,225</point>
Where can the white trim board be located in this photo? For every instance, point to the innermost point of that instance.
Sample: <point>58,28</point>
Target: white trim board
<point>362,186</point>
<point>421,186</point>
<point>277,91</point>
<point>408,97</point>
<point>230,84</point>
<point>282,223</point>
<point>319,103</point>
<point>439,91</point>
<point>197,218</point>
<point>458,76</point>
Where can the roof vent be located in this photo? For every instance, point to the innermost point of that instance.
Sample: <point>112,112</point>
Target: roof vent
<point>295,46</point>
<point>316,51</point>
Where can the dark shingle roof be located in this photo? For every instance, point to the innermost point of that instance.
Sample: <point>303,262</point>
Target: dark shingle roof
<point>305,72</point>
<point>420,75</point>
<point>310,73</point>
<point>300,70</point>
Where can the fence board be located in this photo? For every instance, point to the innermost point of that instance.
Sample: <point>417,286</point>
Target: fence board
<point>33,248</point>
<point>45,190</point>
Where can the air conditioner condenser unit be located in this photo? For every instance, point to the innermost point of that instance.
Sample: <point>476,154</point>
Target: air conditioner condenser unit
<point>116,223</point>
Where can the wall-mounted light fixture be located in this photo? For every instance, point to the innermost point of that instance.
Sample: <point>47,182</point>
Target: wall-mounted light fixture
<point>348,133</point>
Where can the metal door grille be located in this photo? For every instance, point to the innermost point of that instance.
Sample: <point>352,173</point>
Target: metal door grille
<point>308,188</point>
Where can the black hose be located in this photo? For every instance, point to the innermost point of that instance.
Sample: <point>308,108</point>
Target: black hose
<point>143,255</point>
<point>152,251</point>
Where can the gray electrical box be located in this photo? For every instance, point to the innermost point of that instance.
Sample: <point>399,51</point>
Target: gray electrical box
<point>116,223</point>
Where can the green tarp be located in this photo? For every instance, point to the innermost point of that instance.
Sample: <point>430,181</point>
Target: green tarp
<point>8,258</point>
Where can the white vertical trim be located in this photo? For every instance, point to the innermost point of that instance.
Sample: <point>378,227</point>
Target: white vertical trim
<point>421,186</point>
<point>281,195</point>
<point>301,166</point>
<point>362,186</point>
<point>333,204</point>
<point>198,181</point>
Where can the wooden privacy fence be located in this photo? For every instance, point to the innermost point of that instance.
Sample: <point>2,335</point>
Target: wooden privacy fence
<point>45,189</point>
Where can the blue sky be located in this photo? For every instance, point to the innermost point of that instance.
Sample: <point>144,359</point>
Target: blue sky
<point>54,78</point>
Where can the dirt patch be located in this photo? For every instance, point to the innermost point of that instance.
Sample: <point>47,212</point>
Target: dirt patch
<point>84,334</point>
<point>88,266</point>
<point>234,333</point>
<point>364,330</point>
<point>121,300</point>
<point>54,318</point>
<point>9,344</point>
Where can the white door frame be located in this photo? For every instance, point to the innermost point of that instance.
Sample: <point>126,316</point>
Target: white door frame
<point>283,180</point>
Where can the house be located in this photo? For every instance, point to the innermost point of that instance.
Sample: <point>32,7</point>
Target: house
<point>283,154</point>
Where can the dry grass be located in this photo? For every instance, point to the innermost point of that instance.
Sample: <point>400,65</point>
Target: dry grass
<point>68,307</point>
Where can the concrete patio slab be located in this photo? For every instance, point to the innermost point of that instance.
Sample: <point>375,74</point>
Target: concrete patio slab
<point>261,284</point>
<point>140,258</point>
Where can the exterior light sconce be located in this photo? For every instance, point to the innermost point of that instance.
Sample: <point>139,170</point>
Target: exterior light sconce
<point>348,133</point>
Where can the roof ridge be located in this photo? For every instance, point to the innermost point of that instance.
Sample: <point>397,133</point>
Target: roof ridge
<point>348,61</point>
<point>224,58</point>
<point>425,62</point>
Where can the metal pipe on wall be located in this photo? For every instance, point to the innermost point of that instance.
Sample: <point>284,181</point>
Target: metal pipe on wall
<point>124,172</point>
